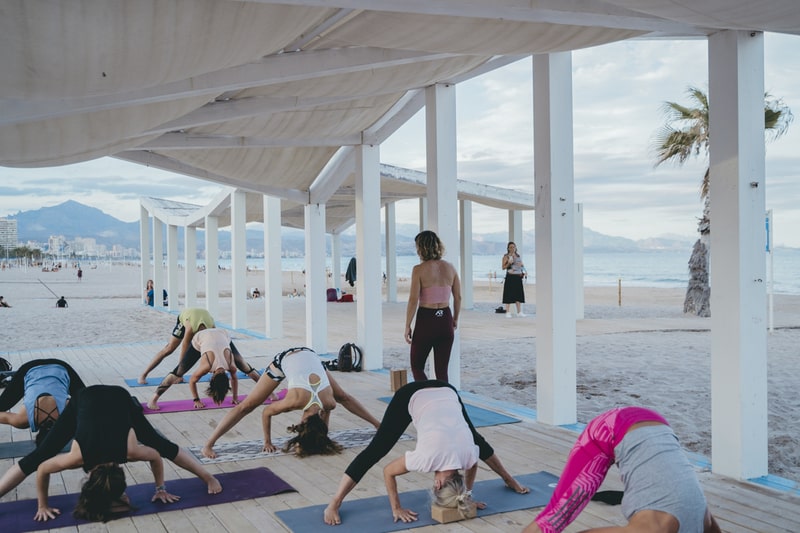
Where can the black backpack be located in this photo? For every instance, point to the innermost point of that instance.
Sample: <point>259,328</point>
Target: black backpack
<point>349,358</point>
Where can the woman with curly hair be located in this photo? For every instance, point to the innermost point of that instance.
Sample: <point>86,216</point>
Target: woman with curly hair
<point>432,283</point>
<point>107,426</point>
<point>310,388</point>
<point>216,358</point>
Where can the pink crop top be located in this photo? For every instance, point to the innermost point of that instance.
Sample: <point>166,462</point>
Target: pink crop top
<point>434,295</point>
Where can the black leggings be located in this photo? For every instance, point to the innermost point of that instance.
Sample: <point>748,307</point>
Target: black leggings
<point>192,356</point>
<point>15,389</point>
<point>66,425</point>
<point>433,329</point>
<point>395,421</point>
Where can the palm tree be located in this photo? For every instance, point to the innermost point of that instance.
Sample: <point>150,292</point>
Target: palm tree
<point>683,135</point>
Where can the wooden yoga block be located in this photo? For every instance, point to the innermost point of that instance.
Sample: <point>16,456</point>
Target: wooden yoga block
<point>398,377</point>
<point>445,515</point>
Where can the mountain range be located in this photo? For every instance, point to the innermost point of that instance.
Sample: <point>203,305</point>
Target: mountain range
<point>73,219</point>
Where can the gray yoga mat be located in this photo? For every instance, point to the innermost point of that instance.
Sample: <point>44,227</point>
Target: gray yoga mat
<point>375,515</point>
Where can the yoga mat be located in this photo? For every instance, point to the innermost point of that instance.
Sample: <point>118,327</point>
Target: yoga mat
<point>175,406</point>
<point>155,382</point>
<point>245,484</point>
<point>375,514</point>
<point>479,416</point>
<point>21,448</point>
<point>251,449</point>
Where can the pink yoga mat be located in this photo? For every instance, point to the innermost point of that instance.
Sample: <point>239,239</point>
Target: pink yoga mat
<point>175,406</point>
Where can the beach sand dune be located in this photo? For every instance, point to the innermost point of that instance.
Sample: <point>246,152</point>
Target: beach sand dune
<point>643,352</point>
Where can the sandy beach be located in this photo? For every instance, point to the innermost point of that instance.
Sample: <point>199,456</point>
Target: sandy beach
<point>644,352</point>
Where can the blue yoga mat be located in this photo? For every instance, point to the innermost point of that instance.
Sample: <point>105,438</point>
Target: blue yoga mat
<point>245,484</point>
<point>155,382</point>
<point>21,448</point>
<point>479,416</point>
<point>375,514</point>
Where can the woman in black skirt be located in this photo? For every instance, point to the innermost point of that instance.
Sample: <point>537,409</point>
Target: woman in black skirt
<point>513,292</point>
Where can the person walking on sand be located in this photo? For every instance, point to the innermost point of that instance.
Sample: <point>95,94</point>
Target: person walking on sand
<point>190,321</point>
<point>433,281</point>
<point>513,291</point>
<point>661,490</point>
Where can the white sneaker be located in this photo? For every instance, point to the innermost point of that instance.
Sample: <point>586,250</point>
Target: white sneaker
<point>521,314</point>
<point>509,315</point>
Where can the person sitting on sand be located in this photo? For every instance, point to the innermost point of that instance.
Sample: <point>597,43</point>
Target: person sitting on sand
<point>3,302</point>
<point>107,426</point>
<point>190,321</point>
<point>310,389</point>
<point>62,302</point>
<point>217,359</point>
<point>447,443</point>
<point>44,386</point>
<point>661,490</point>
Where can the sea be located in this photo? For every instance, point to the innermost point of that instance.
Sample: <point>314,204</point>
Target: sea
<point>657,268</point>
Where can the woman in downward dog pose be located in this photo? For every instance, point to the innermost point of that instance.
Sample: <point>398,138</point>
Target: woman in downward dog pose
<point>44,386</point>
<point>107,427</point>
<point>661,490</point>
<point>447,443</point>
<point>217,359</point>
<point>310,389</point>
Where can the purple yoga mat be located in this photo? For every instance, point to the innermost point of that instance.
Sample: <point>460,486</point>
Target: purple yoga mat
<point>174,406</point>
<point>245,484</point>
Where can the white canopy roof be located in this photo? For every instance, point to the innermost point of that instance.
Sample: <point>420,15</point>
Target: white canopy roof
<point>262,95</point>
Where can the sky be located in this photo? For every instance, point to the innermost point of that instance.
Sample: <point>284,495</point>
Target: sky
<point>618,95</point>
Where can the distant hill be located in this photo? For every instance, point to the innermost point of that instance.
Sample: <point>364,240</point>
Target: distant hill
<point>73,219</point>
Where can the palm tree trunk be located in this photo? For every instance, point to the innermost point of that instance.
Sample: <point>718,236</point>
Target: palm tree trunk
<point>698,292</point>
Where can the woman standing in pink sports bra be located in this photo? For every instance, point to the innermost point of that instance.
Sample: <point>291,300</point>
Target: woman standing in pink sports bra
<point>432,283</point>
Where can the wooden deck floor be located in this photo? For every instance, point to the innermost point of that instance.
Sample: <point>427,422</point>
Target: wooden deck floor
<point>523,447</point>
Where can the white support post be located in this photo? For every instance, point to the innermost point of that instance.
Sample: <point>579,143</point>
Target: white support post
<point>390,225</point>
<point>273,275</point>
<point>336,261</point>
<point>423,214</point>
<point>515,229</point>
<point>440,129</point>
<point>159,281</point>
<point>467,298</point>
<point>172,267</point>
<point>190,262</point>
<point>369,304</point>
<point>212,265</point>
<point>555,231</point>
<point>144,247</point>
<point>239,259</point>
<point>579,297</point>
<point>738,270</point>
<point>316,286</point>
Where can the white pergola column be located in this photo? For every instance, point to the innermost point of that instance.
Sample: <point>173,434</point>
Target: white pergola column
<point>738,269</point>
<point>579,298</point>
<point>423,214</point>
<point>212,265</point>
<point>158,260</point>
<point>440,129</point>
<point>555,252</point>
<point>515,229</point>
<point>238,260</point>
<point>316,285</point>
<point>390,229</point>
<point>172,267</point>
<point>336,261</point>
<point>369,305</point>
<point>465,209</point>
<point>273,275</point>
<point>190,262</point>
<point>144,247</point>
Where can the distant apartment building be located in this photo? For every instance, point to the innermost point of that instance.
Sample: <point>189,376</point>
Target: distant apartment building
<point>56,244</point>
<point>8,234</point>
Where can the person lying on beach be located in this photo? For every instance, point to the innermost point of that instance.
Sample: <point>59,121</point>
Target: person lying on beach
<point>190,321</point>
<point>107,426</point>
<point>447,443</point>
<point>310,389</point>
<point>44,386</point>
<point>661,490</point>
<point>216,359</point>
